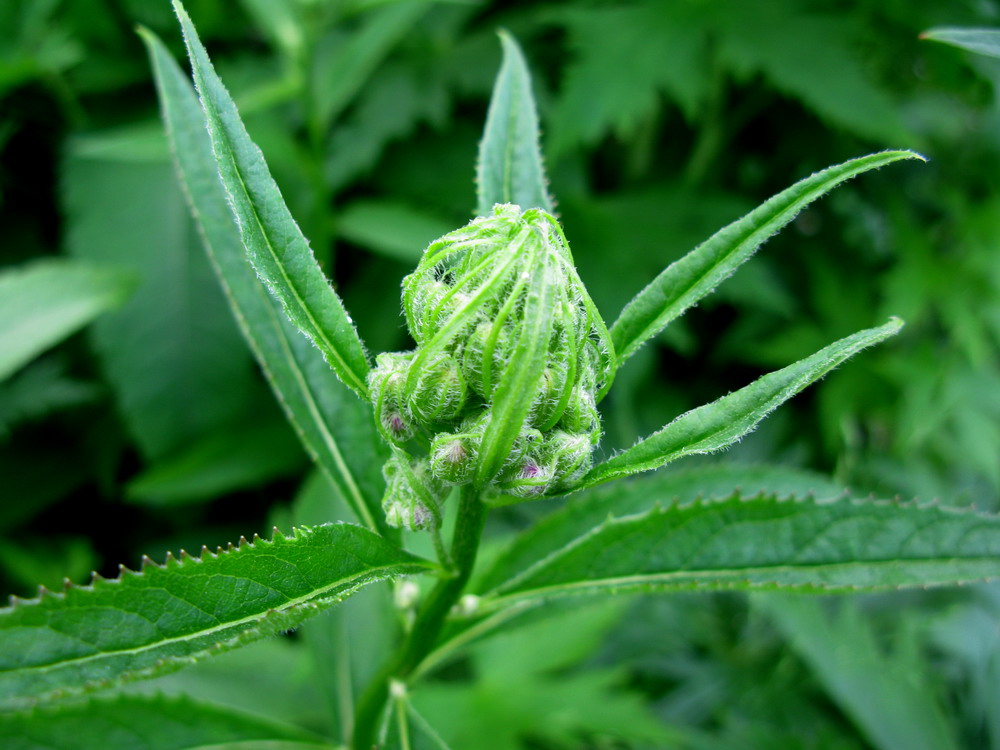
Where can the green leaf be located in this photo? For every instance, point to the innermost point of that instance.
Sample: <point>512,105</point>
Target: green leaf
<point>683,283</point>
<point>41,389</point>
<point>983,41</point>
<point>219,463</point>
<point>888,696</point>
<point>589,509</point>
<point>172,353</point>
<point>655,47</point>
<point>165,616</point>
<point>395,230</point>
<point>273,241</point>
<point>343,68</point>
<point>147,723</point>
<point>766,543</point>
<point>337,429</point>
<point>44,302</point>
<point>510,168</point>
<point>714,426</point>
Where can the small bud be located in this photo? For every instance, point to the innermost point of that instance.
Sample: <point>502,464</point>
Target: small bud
<point>571,456</point>
<point>385,386</point>
<point>453,457</point>
<point>530,479</point>
<point>411,494</point>
<point>483,356</point>
<point>438,393</point>
<point>580,415</point>
<point>405,594</point>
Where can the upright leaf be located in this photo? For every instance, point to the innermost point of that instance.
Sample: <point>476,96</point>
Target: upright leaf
<point>273,241</point>
<point>128,722</point>
<point>45,302</point>
<point>336,428</point>
<point>714,426</point>
<point>165,616</point>
<point>683,283</point>
<point>510,161</point>
<point>984,41</point>
<point>764,542</point>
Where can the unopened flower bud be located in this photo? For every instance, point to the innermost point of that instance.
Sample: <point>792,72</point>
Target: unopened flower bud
<point>571,456</point>
<point>453,457</point>
<point>438,393</point>
<point>580,415</point>
<point>385,384</point>
<point>411,494</point>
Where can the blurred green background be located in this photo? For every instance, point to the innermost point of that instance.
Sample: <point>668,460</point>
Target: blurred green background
<point>153,428</point>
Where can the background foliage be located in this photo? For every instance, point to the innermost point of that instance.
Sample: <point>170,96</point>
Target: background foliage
<point>154,430</point>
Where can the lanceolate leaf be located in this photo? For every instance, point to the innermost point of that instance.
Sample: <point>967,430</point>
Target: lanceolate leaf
<point>764,542</point>
<point>983,41</point>
<point>131,722</point>
<point>510,161</point>
<point>682,284</point>
<point>273,241</point>
<point>165,616</point>
<point>583,512</point>
<point>336,428</point>
<point>43,303</point>
<point>714,426</point>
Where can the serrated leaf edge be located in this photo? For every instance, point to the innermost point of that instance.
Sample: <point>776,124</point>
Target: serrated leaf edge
<point>493,599</point>
<point>276,620</point>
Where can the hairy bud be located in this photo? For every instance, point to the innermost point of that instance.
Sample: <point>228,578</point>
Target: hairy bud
<point>498,312</point>
<point>411,495</point>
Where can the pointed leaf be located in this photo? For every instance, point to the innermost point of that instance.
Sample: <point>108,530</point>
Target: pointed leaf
<point>510,161</point>
<point>337,430</point>
<point>714,426</point>
<point>129,722</point>
<point>583,512</point>
<point>43,303</point>
<point>166,616</point>
<point>683,283</point>
<point>764,542</point>
<point>983,41</point>
<point>273,241</point>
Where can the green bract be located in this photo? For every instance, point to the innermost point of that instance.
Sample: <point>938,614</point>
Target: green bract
<point>497,306</point>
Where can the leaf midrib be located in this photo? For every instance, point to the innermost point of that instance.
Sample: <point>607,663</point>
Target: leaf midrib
<point>488,603</point>
<point>291,604</point>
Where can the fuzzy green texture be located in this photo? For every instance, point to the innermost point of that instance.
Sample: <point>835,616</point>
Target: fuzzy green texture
<point>511,357</point>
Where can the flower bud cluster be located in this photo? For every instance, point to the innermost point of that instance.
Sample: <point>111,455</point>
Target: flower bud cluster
<point>473,304</point>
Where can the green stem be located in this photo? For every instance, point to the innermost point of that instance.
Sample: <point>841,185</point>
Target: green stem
<point>430,620</point>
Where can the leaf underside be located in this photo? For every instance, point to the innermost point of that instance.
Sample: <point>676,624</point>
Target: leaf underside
<point>766,543</point>
<point>509,168</point>
<point>682,284</point>
<point>336,428</point>
<point>273,241</point>
<point>165,616</point>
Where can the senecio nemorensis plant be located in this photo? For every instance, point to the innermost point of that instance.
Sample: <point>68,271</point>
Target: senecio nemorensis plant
<point>498,403</point>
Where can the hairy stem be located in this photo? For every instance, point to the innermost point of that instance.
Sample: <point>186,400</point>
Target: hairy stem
<point>430,619</point>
